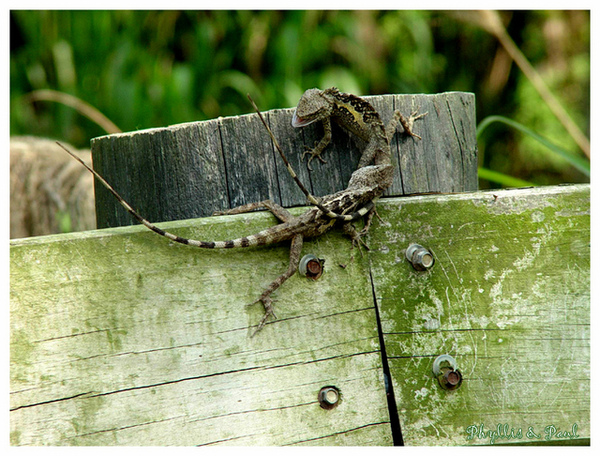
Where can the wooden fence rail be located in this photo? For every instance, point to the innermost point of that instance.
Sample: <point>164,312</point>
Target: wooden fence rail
<point>119,337</point>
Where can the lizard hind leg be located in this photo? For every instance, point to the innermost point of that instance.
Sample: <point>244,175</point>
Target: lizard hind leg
<point>265,297</point>
<point>278,211</point>
<point>355,236</point>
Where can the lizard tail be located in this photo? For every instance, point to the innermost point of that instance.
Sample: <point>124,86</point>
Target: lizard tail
<point>261,238</point>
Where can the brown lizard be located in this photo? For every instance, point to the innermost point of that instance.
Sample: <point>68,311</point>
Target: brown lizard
<point>359,117</point>
<point>347,205</point>
<point>355,115</point>
<point>366,185</point>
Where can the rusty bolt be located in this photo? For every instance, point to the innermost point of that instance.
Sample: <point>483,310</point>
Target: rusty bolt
<point>311,266</point>
<point>421,258</point>
<point>444,368</point>
<point>329,397</point>
<point>450,379</point>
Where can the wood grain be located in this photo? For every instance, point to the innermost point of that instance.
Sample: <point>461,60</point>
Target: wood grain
<point>193,169</point>
<point>119,337</point>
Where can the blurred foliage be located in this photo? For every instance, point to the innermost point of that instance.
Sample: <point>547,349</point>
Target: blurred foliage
<point>147,69</point>
<point>581,163</point>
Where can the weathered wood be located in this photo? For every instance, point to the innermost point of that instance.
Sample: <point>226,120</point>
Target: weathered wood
<point>191,170</point>
<point>178,154</point>
<point>121,337</point>
<point>508,297</point>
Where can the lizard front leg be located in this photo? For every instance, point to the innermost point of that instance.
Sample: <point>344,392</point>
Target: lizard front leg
<point>407,124</point>
<point>321,145</point>
<point>369,220</point>
<point>357,236</point>
<point>265,297</point>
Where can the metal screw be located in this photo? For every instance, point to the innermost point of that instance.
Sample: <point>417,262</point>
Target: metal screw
<point>450,379</point>
<point>444,368</point>
<point>329,397</point>
<point>421,258</point>
<point>311,266</point>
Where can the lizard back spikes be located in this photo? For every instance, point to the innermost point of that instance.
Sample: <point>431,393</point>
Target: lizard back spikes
<point>353,114</point>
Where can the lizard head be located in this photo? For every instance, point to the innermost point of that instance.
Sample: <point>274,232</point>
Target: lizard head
<point>313,106</point>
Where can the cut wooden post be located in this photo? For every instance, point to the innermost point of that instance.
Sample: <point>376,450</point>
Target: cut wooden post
<point>193,169</point>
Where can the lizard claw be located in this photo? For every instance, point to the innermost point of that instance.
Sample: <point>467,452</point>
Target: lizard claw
<point>408,124</point>
<point>359,240</point>
<point>356,236</point>
<point>356,242</point>
<point>313,153</point>
<point>267,303</point>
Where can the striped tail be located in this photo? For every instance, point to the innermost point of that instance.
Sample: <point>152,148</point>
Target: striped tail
<point>261,238</point>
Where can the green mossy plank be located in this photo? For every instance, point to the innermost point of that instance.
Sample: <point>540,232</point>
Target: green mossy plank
<point>120,337</point>
<point>508,298</point>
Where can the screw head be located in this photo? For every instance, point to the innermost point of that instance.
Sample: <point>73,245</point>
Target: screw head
<point>444,368</point>
<point>311,266</point>
<point>329,397</point>
<point>421,258</point>
<point>451,379</point>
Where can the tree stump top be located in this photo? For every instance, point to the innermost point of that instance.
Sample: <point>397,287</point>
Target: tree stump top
<point>193,169</point>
